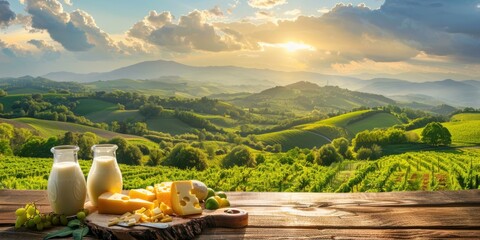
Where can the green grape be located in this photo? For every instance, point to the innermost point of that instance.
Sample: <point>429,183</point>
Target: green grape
<point>20,221</point>
<point>63,220</point>
<point>48,218</point>
<point>42,216</point>
<point>86,211</point>
<point>37,219</point>
<point>81,215</point>
<point>30,223</point>
<point>47,224</point>
<point>20,212</point>
<point>40,226</point>
<point>31,210</point>
<point>55,220</point>
<point>17,225</point>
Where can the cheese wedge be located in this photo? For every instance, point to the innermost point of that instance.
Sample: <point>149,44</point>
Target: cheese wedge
<point>142,194</point>
<point>162,190</point>
<point>117,203</point>
<point>183,201</point>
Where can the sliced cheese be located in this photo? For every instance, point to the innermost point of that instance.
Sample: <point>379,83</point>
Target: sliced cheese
<point>183,201</point>
<point>117,203</point>
<point>162,190</point>
<point>142,194</point>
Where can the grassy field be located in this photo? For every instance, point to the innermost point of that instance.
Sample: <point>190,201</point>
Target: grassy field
<point>464,132</point>
<point>293,138</point>
<point>52,128</point>
<point>345,125</point>
<point>89,106</point>
<point>379,120</point>
<point>168,124</point>
<point>465,117</point>
<point>109,115</point>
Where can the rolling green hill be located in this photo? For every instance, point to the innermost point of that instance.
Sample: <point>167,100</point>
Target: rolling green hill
<point>464,127</point>
<point>89,106</point>
<point>305,96</point>
<point>293,138</point>
<point>465,117</point>
<point>321,132</point>
<point>53,128</point>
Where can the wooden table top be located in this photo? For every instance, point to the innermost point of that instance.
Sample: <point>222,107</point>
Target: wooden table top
<point>450,214</point>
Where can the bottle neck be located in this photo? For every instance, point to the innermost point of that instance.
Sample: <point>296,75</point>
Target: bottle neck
<point>104,150</point>
<point>65,153</point>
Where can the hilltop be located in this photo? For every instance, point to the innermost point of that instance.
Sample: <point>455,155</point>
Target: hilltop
<point>306,96</point>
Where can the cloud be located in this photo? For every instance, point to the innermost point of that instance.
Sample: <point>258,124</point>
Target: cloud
<point>49,16</point>
<point>444,28</point>
<point>11,52</point>
<point>192,32</point>
<point>6,14</point>
<point>216,11</point>
<point>293,12</point>
<point>49,52</point>
<point>265,4</point>
<point>233,6</point>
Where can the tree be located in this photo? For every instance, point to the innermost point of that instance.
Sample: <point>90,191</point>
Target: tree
<point>341,145</point>
<point>185,156</point>
<point>155,157</point>
<point>85,142</point>
<point>5,148</point>
<point>3,93</point>
<point>327,155</point>
<point>20,136</point>
<point>239,156</point>
<point>122,147</point>
<point>133,155</point>
<point>436,134</point>
<point>364,153</point>
<point>6,131</point>
<point>150,110</point>
<point>1,107</point>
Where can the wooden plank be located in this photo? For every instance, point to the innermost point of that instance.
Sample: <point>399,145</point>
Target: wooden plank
<point>296,233</point>
<point>8,232</point>
<point>366,217</point>
<point>288,233</point>
<point>408,199</point>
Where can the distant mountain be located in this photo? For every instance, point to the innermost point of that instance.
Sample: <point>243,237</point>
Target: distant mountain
<point>306,96</point>
<point>226,75</point>
<point>455,93</point>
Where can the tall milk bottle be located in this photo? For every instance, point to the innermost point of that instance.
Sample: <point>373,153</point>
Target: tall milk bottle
<point>104,175</point>
<point>66,184</point>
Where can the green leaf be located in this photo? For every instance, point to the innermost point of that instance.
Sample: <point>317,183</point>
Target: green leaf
<point>79,233</point>
<point>60,233</point>
<point>74,223</point>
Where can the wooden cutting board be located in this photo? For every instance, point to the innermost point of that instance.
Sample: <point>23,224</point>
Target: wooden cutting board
<point>180,228</point>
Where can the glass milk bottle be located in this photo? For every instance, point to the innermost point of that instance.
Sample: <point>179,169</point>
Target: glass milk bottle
<point>104,175</point>
<point>66,184</point>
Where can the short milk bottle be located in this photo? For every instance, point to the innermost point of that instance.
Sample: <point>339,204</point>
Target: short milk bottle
<point>104,175</point>
<point>66,184</point>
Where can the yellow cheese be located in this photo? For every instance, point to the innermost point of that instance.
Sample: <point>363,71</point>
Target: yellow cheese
<point>183,201</point>
<point>162,191</point>
<point>117,203</point>
<point>142,194</point>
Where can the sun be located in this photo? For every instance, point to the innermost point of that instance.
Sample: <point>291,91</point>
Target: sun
<point>296,46</point>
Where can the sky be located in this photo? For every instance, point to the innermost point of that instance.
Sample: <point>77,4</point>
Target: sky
<point>406,39</point>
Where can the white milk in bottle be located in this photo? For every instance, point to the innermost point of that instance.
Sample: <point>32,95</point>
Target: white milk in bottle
<point>104,175</point>
<point>66,184</point>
